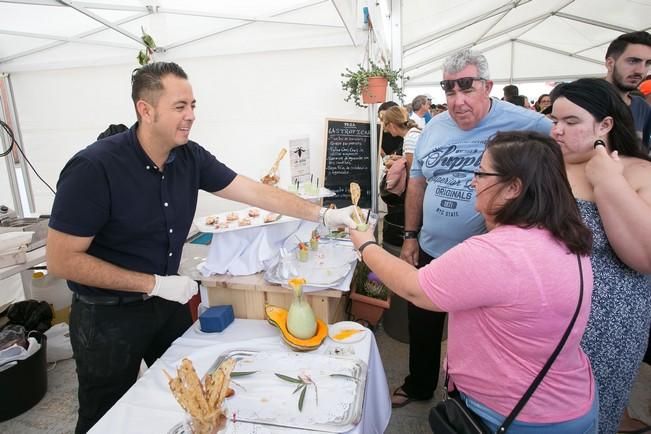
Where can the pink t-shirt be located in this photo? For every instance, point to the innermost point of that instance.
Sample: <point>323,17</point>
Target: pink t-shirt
<point>511,294</point>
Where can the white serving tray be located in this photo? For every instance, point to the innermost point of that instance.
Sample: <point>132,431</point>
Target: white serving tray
<point>325,268</point>
<point>263,398</point>
<point>200,222</point>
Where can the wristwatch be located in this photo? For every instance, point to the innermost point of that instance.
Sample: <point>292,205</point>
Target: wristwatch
<point>322,213</point>
<point>410,235</point>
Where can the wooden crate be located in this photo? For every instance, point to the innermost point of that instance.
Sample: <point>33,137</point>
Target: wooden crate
<point>249,294</point>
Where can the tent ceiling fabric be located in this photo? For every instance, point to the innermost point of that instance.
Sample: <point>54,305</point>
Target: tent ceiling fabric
<point>49,34</point>
<point>525,40</point>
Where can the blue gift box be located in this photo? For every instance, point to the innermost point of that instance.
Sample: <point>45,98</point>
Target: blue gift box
<point>216,318</point>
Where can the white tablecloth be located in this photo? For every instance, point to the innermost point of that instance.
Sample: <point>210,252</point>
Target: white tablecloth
<point>251,250</point>
<point>149,407</point>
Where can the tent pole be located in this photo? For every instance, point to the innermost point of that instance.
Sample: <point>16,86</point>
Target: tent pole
<point>17,169</point>
<point>374,156</point>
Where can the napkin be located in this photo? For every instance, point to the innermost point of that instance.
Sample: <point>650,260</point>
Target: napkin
<point>249,251</point>
<point>11,241</point>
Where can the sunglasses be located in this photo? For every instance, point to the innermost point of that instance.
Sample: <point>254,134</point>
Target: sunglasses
<point>464,83</point>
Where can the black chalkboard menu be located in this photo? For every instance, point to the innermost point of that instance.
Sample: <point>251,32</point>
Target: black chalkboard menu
<point>347,159</point>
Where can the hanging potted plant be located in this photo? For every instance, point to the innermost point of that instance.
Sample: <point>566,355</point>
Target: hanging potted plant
<point>369,298</point>
<point>369,84</point>
<point>146,55</point>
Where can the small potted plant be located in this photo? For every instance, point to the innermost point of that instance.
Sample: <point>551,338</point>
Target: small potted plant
<point>370,83</point>
<point>369,297</point>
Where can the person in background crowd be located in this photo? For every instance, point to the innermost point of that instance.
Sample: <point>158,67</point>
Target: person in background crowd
<point>393,184</point>
<point>645,89</point>
<point>122,212</point>
<point>543,102</point>
<point>628,60</point>
<point>391,150</point>
<point>428,114</point>
<point>512,95</point>
<point>420,106</point>
<point>111,130</point>
<point>510,91</point>
<point>511,292</point>
<point>409,109</point>
<point>611,180</point>
<point>390,144</point>
<point>398,124</point>
<point>439,208</point>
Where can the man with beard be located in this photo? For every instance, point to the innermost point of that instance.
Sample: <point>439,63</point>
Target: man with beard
<point>628,60</point>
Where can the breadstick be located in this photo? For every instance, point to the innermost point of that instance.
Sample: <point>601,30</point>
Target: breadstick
<point>191,382</point>
<point>226,368</point>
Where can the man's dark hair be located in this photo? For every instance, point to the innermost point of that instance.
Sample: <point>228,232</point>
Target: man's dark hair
<point>112,130</point>
<point>546,199</point>
<point>600,99</point>
<point>386,105</point>
<point>146,81</point>
<point>617,47</point>
<point>517,100</point>
<point>510,90</point>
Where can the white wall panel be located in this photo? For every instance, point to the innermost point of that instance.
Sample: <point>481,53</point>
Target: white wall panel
<point>248,107</point>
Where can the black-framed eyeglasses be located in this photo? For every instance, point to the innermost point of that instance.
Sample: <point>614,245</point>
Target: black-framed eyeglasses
<point>464,83</point>
<point>479,174</point>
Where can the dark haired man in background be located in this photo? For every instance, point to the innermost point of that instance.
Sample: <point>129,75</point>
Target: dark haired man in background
<point>628,60</point>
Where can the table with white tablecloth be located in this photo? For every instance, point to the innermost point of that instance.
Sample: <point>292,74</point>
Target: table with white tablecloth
<point>149,406</point>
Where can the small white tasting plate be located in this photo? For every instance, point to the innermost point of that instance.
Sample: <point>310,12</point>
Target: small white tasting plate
<point>341,326</point>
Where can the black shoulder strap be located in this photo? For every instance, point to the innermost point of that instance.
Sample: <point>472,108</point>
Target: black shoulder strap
<point>520,405</point>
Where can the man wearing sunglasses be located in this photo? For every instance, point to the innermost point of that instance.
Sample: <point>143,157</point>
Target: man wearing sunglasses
<point>440,204</point>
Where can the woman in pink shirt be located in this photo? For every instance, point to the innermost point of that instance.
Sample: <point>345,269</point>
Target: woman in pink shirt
<point>511,292</point>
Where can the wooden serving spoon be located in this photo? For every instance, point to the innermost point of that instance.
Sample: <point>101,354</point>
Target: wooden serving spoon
<point>355,194</point>
<point>274,168</point>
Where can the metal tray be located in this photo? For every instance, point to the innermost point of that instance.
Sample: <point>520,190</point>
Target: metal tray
<point>325,268</point>
<point>200,222</point>
<point>263,398</point>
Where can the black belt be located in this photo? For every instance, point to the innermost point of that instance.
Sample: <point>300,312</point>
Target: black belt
<point>110,300</point>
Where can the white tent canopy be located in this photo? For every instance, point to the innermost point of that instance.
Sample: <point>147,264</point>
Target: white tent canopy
<point>48,34</point>
<point>523,40</point>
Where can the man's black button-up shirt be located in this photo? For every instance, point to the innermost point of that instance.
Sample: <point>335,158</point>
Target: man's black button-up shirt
<point>139,215</point>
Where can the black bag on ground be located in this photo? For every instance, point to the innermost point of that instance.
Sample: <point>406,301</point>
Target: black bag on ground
<point>31,314</point>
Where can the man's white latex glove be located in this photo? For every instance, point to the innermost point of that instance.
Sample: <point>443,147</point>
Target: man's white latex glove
<point>339,217</point>
<point>174,288</point>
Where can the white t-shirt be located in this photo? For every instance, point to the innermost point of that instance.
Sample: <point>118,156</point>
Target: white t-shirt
<point>409,142</point>
<point>419,121</point>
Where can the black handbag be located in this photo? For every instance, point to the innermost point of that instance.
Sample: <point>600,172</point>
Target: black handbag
<point>389,198</point>
<point>452,416</point>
